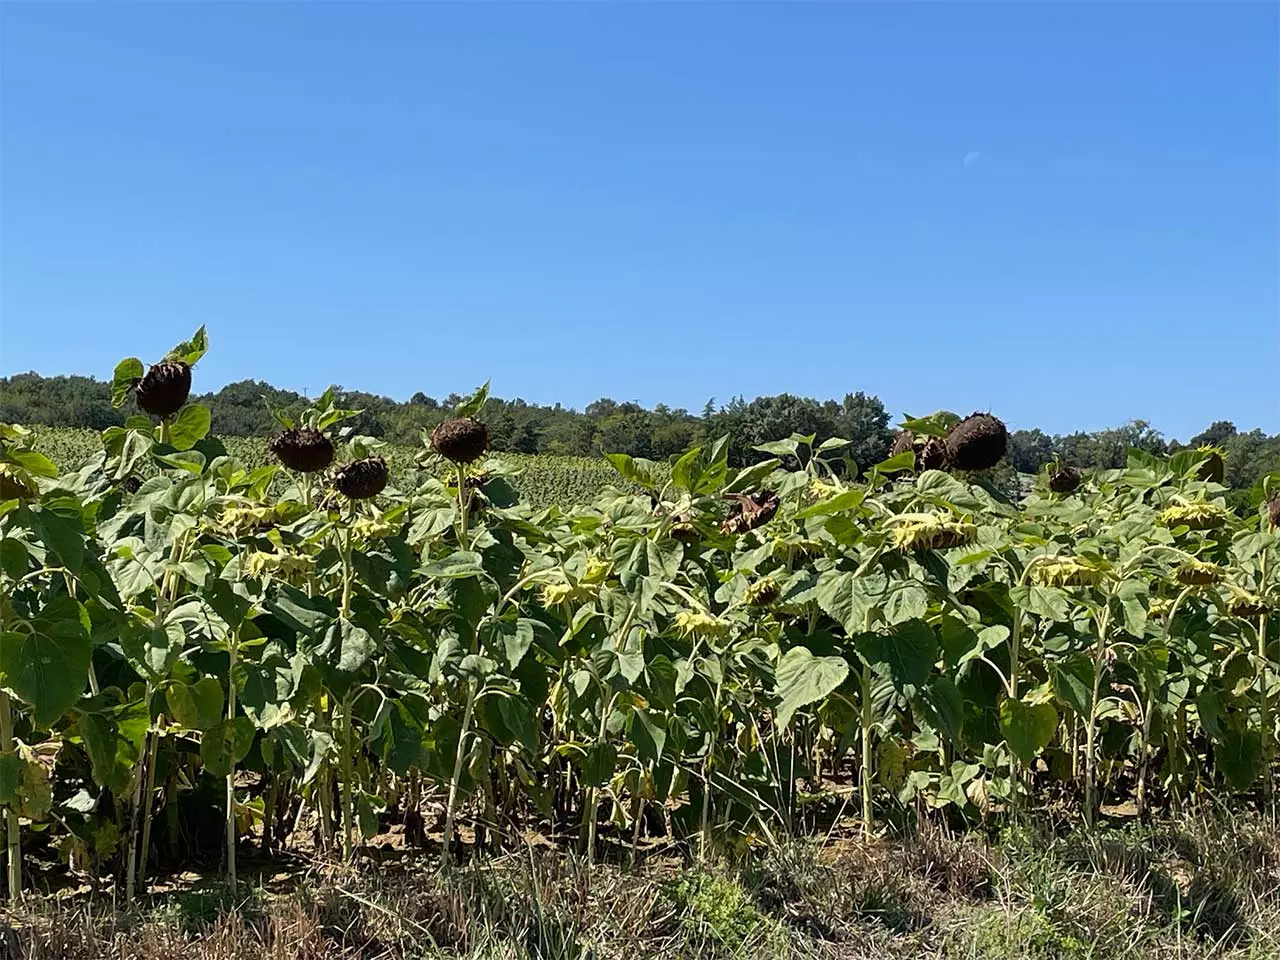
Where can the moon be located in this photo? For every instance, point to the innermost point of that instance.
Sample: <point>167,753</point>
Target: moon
<point>971,158</point>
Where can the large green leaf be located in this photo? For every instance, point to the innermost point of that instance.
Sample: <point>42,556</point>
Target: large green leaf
<point>46,665</point>
<point>1073,681</point>
<point>907,653</point>
<point>153,649</point>
<point>1238,754</point>
<point>265,685</point>
<point>113,739</point>
<point>190,351</point>
<point>1027,728</point>
<point>60,526</point>
<point>226,745</point>
<point>190,426</point>
<point>196,706</point>
<point>801,679</point>
<point>649,734</point>
<point>1048,602</point>
<point>346,646</point>
<point>848,599</point>
<point>127,373</point>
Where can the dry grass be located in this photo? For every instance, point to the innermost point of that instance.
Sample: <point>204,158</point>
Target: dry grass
<point>1202,888</point>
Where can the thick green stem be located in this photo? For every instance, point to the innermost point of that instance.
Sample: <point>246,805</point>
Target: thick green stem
<point>1091,725</point>
<point>593,793</point>
<point>148,800</point>
<point>231,774</point>
<point>139,782</point>
<point>451,805</point>
<point>463,503</point>
<point>346,573</point>
<point>348,809</point>
<point>1015,656</point>
<point>1264,696</point>
<point>866,721</point>
<point>13,839</point>
<point>705,831</point>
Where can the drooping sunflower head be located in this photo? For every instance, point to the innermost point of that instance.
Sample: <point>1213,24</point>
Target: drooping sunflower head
<point>762,592</point>
<point>1067,572</point>
<point>931,531</point>
<point>1198,573</point>
<point>1194,516</point>
<point>362,479</point>
<point>977,442</point>
<point>461,440</point>
<point>303,449</point>
<point>164,389</point>
<point>1213,467</point>
<point>695,622</point>
<point>1065,479</point>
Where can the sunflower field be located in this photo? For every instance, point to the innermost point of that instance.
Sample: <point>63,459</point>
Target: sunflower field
<point>203,647</point>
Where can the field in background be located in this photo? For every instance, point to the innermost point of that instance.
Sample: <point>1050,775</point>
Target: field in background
<point>543,481</point>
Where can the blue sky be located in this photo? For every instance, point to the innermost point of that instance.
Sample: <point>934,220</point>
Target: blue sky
<point>1066,213</point>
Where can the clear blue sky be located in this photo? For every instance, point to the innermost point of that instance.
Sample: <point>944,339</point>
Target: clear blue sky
<point>1065,213</point>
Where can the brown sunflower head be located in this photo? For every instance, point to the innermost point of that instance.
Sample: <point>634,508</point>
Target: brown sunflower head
<point>684,531</point>
<point>164,389</point>
<point>1065,479</point>
<point>1273,511</point>
<point>15,486</point>
<point>1213,467</point>
<point>751,512</point>
<point>904,440</point>
<point>303,449</point>
<point>931,452</point>
<point>362,479</point>
<point>762,593</point>
<point>977,442</point>
<point>463,440</point>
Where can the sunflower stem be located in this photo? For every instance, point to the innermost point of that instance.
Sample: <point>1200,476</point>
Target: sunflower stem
<point>463,500</point>
<point>451,806</point>
<point>13,839</point>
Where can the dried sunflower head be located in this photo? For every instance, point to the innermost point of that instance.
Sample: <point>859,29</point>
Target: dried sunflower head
<point>977,442</point>
<point>463,440</point>
<point>1273,511</point>
<point>1199,573</point>
<point>685,532</point>
<point>1066,572</point>
<point>821,490</point>
<point>1065,479</point>
<point>1214,465</point>
<point>362,479</point>
<point>164,389</point>
<point>931,452</point>
<point>14,484</point>
<point>931,531</point>
<point>690,623</point>
<point>303,449</point>
<point>1195,516</point>
<point>554,594</point>
<point>1245,603</point>
<point>751,512</point>
<point>287,566</point>
<point>762,593</point>
<point>374,529</point>
<point>243,521</point>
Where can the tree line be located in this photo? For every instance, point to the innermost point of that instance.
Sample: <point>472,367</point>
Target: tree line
<point>244,409</point>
